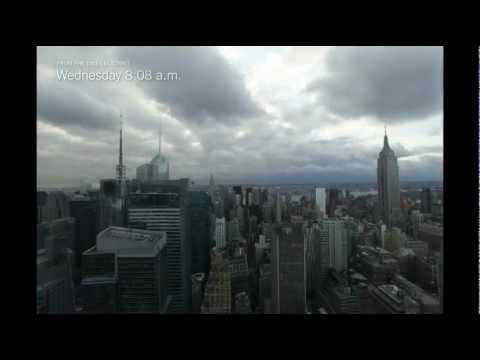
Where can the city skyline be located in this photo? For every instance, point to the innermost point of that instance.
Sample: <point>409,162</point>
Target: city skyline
<point>257,114</point>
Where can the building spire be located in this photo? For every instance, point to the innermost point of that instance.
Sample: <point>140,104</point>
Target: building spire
<point>385,138</point>
<point>120,165</point>
<point>120,156</point>
<point>160,139</point>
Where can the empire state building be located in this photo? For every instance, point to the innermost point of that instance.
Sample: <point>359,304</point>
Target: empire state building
<point>388,185</point>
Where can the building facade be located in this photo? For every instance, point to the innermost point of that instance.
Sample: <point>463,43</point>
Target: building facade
<point>158,169</point>
<point>200,222</point>
<point>388,185</point>
<point>55,289</point>
<point>220,234</point>
<point>337,244</point>
<point>288,270</point>
<point>167,210</point>
<point>134,263</point>
<point>320,202</point>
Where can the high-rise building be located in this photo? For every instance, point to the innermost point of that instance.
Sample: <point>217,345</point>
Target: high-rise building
<point>41,201</point>
<point>432,234</point>
<point>145,172</point>
<point>238,195</point>
<point>320,202</point>
<point>51,205</point>
<point>158,169</point>
<point>64,228</point>
<point>264,287</point>
<point>278,208</point>
<point>220,238</point>
<point>85,212</point>
<point>249,196</point>
<point>218,293</point>
<point>55,290</point>
<point>238,268</point>
<point>417,219</point>
<point>167,210</point>
<point>337,244</point>
<point>233,231</point>
<point>381,230</point>
<point>437,211</point>
<point>200,223</point>
<point>388,185</point>
<point>267,211</point>
<point>134,259</point>
<point>333,201</point>
<point>111,204</point>
<point>426,199</point>
<point>218,204</point>
<point>198,284</point>
<point>211,186</point>
<point>318,259</point>
<point>288,270</point>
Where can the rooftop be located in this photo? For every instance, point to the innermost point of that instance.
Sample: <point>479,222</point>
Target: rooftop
<point>130,242</point>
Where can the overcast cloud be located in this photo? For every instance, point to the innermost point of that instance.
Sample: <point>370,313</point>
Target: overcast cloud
<point>261,114</point>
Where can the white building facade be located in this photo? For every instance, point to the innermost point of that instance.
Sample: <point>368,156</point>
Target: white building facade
<point>220,238</point>
<point>320,202</point>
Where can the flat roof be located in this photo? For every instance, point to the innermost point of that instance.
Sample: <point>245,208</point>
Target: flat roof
<point>132,241</point>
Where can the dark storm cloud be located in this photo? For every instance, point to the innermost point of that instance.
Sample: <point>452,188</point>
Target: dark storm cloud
<point>426,167</point>
<point>390,83</point>
<point>64,104</point>
<point>208,87</point>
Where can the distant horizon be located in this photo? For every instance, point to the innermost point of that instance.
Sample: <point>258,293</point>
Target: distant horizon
<point>326,184</point>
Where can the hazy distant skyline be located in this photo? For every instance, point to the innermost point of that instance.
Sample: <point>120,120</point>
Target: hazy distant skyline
<point>310,114</point>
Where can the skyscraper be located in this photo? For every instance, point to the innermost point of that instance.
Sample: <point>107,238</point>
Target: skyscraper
<point>288,270</point>
<point>278,208</point>
<point>85,212</point>
<point>320,202</point>
<point>111,204</point>
<point>55,290</point>
<point>333,200</point>
<point>337,244</point>
<point>167,210</point>
<point>217,296</point>
<point>388,185</point>
<point>52,205</point>
<point>220,233</point>
<point>238,195</point>
<point>211,186</point>
<point>137,259</point>
<point>426,198</point>
<point>200,222</point>
<point>157,169</point>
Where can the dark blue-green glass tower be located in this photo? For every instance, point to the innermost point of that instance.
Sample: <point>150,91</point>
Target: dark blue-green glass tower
<point>200,222</point>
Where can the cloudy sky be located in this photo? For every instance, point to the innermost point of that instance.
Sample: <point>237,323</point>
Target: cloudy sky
<point>245,114</point>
